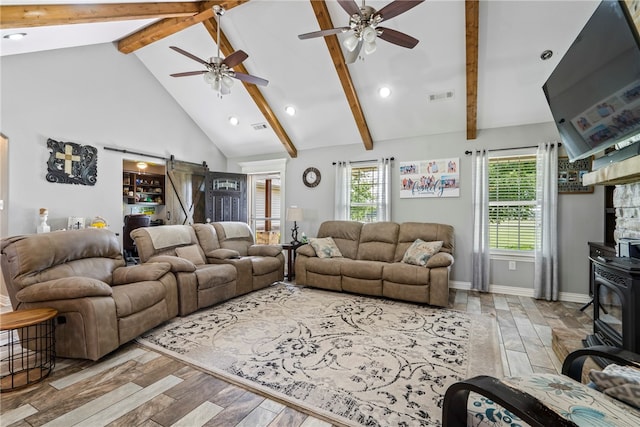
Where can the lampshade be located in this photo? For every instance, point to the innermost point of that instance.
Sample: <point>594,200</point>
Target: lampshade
<point>351,42</point>
<point>369,47</point>
<point>294,214</point>
<point>369,35</point>
<point>227,82</point>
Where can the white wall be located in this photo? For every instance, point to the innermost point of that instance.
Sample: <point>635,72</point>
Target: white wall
<point>94,96</point>
<point>580,216</point>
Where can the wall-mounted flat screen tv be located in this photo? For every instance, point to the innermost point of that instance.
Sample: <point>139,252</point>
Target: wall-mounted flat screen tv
<point>594,92</point>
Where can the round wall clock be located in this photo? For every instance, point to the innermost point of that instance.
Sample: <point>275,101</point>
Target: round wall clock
<point>311,177</point>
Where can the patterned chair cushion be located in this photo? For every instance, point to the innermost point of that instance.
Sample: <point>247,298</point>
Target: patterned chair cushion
<point>572,400</point>
<point>619,382</point>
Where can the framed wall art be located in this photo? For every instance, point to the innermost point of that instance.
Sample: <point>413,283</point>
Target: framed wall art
<point>71,163</point>
<point>430,178</point>
<point>570,176</point>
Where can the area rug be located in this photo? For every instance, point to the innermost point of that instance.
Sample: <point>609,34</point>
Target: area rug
<point>349,359</point>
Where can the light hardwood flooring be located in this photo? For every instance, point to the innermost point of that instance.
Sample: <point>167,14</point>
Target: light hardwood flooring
<point>137,387</point>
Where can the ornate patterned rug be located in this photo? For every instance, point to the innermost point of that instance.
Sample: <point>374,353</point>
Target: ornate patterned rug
<point>352,360</point>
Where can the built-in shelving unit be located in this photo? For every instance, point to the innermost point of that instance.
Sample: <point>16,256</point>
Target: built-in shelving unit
<point>143,188</point>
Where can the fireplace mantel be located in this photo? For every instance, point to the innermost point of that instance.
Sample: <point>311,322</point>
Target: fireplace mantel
<point>624,172</point>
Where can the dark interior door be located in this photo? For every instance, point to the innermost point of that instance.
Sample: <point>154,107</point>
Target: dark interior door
<point>226,196</point>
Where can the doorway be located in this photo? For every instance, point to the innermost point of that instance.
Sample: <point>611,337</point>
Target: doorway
<point>265,200</point>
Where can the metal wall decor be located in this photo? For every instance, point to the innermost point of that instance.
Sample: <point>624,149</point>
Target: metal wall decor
<point>71,163</point>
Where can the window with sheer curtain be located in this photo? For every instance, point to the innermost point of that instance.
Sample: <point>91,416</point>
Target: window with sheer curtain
<point>512,203</point>
<point>362,191</point>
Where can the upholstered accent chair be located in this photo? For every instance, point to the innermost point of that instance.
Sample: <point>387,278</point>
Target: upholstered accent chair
<point>545,400</point>
<point>81,273</point>
<point>230,242</point>
<point>199,284</point>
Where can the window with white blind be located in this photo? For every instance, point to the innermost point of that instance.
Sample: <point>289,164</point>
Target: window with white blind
<point>364,197</point>
<point>512,203</point>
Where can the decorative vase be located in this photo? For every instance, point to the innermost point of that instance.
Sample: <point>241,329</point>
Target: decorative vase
<point>43,227</point>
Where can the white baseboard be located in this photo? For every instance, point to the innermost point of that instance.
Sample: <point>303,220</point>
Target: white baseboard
<point>522,292</point>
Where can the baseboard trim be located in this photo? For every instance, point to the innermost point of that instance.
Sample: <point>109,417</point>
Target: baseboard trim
<point>522,292</point>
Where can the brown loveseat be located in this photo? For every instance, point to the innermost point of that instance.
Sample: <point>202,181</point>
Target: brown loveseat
<point>371,261</point>
<point>101,304</point>
<point>212,262</point>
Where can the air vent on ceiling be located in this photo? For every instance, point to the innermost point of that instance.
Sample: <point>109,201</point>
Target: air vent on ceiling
<point>259,126</point>
<point>441,96</point>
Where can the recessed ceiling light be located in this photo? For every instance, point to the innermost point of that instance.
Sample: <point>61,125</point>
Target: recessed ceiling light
<point>546,54</point>
<point>384,92</point>
<point>15,36</point>
<point>290,110</point>
<point>234,121</point>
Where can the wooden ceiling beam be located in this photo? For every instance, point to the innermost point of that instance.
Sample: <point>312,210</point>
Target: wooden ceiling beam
<point>25,16</point>
<point>324,20</point>
<point>227,49</point>
<point>169,26</point>
<point>471,20</point>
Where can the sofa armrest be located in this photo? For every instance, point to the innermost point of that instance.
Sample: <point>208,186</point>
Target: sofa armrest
<point>223,254</point>
<point>306,250</point>
<point>177,264</point>
<point>264,250</point>
<point>140,273</point>
<point>441,259</point>
<point>64,288</point>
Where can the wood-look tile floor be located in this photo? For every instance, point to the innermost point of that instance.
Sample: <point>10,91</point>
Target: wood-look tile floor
<point>138,387</point>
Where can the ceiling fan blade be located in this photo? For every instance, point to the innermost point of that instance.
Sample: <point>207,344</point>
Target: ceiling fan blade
<point>396,37</point>
<point>189,55</point>
<point>397,7</point>
<point>235,58</point>
<point>323,33</point>
<point>350,6</point>
<point>350,57</point>
<point>250,79</point>
<point>188,73</point>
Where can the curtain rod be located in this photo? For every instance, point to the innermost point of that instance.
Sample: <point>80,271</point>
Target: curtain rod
<point>120,150</point>
<point>365,161</point>
<point>468,152</point>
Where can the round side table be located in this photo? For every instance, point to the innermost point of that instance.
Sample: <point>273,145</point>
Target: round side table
<point>27,347</point>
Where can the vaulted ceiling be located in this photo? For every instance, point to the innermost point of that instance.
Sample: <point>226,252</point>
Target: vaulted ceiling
<point>477,65</point>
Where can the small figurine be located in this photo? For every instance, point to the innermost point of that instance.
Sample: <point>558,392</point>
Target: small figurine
<point>43,227</point>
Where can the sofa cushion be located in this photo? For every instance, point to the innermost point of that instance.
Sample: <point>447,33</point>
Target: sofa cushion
<point>326,266</point>
<point>378,241</point>
<point>420,252</point>
<point>346,234</point>
<point>429,232</point>
<point>265,250</point>
<point>406,274</point>
<point>264,265</point>
<point>192,253</point>
<point>211,275</point>
<point>325,247</point>
<point>137,296</point>
<point>363,269</point>
<point>207,237</point>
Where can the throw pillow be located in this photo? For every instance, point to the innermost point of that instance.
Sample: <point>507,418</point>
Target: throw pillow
<point>619,382</point>
<point>420,251</point>
<point>325,247</point>
<point>191,253</point>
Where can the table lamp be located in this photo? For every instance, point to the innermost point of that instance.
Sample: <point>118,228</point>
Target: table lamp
<point>294,214</point>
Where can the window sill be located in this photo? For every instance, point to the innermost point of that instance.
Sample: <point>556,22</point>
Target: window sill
<point>503,255</point>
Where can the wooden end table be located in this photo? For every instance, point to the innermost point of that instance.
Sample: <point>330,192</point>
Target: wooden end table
<point>291,258</point>
<point>27,347</point>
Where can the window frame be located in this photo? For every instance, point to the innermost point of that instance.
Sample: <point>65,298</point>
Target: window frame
<point>529,153</point>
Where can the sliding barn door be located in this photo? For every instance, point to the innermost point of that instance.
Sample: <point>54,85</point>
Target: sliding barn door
<point>226,196</point>
<point>185,189</point>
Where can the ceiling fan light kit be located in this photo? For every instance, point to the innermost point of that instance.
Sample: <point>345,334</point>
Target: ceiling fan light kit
<point>363,24</point>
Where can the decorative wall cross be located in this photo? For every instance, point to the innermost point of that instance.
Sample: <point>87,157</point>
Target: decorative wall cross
<point>68,158</point>
<point>72,163</point>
